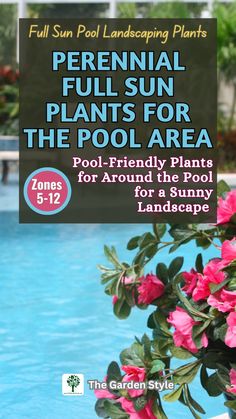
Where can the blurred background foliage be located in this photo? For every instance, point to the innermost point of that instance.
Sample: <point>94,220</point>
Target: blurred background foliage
<point>226,53</point>
<point>8,28</point>
<point>175,9</point>
<point>67,10</point>
<point>226,59</point>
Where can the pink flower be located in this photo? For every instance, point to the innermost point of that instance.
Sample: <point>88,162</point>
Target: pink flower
<point>104,394</point>
<point>183,325</point>
<point>145,413</point>
<point>151,288</point>
<point>212,271</point>
<point>128,280</point>
<point>230,337</point>
<point>232,387</point>
<point>202,290</point>
<point>190,281</point>
<point>226,208</point>
<point>211,274</point>
<point>135,374</point>
<point>228,251</point>
<point>223,300</point>
<point>114,299</point>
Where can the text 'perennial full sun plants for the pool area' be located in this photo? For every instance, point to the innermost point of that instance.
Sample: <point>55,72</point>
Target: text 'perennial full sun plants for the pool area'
<point>194,317</point>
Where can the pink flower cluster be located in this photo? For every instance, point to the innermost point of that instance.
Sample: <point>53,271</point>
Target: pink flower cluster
<point>226,208</point>
<point>149,289</point>
<point>135,374</point>
<point>197,286</point>
<point>230,337</point>
<point>183,324</point>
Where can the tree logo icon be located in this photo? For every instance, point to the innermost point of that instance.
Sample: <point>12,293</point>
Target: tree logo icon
<point>72,384</point>
<point>73,381</point>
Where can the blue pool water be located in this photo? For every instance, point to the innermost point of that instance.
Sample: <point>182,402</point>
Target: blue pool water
<point>55,317</point>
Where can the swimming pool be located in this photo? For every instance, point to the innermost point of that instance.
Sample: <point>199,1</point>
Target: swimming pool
<point>55,317</point>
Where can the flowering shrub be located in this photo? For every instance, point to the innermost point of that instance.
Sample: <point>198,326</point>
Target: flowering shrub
<point>9,101</point>
<point>194,316</point>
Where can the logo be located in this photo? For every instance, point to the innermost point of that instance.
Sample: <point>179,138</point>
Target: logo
<point>73,384</point>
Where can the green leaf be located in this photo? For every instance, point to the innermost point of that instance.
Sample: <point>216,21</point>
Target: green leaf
<point>99,408</point>
<point>114,371</point>
<point>203,242</point>
<point>199,263</point>
<point>146,239</point>
<point>111,288</point>
<point>203,377</point>
<point>161,345</point>
<point>174,395</point>
<point>159,230</point>
<point>133,243</point>
<point>231,404</point>
<point>157,366</point>
<point>162,272</point>
<point>220,332</point>
<point>223,377</point>
<point>232,285</point>
<point>129,297</point>
<point>212,386</point>
<point>139,403</point>
<point>174,247</point>
<point>186,394</point>
<point>125,356</point>
<point>122,309</point>
<point>194,403</point>
<point>150,250</point>
<point>197,332</point>
<point>158,320</point>
<point>151,322</point>
<point>106,277</point>
<point>186,374</point>
<point>185,369</point>
<point>175,266</point>
<point>222,188</point>
<point>216,287</point>
<point>182,400</point>
<point>211,359</point>
<point>114,411</point>
<point>133,355</point>
<point>111,255</point>
<point>146,346</point>
<point>105,269</point>
<point>229,232</point>
<point>180,232</point>
<point>140,257</point>
<point>180,353</point>
<point>185,240</point>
